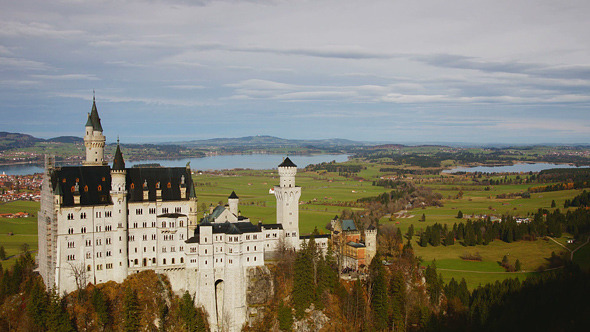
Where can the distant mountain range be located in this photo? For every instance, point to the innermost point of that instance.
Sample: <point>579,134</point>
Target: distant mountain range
<point>264,141</point>
<point>17,140</point>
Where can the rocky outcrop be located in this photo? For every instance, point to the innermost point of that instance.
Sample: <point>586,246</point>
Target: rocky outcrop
<point>260,286</point>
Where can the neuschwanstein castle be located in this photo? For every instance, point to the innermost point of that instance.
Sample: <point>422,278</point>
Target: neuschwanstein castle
<point>99,223</point>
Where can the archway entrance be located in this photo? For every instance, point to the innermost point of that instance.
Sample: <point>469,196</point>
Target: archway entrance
<point>219,301</point>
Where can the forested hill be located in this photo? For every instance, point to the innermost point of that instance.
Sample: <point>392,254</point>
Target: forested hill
<point>18,140</point>
<point>271,141</point>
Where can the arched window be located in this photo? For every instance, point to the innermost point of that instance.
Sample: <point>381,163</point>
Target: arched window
<point>132,185</point>
<point>99,187</point>
<point>164,261</point>
<point>85,188</point>
<point>169,185</point>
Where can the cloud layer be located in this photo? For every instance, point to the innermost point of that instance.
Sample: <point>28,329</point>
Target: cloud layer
<point>401,71</point>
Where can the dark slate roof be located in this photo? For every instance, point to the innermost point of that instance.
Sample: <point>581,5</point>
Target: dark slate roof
<point>94,183</point>
<point>194,239</point>
<point>348,225</point>
<point>93,118</point>
<point>229,227</point>
<point>233,195</point>
<point>287,163</point>
<point>355,244</point>
<point>216,213</point>
<point>319,236</point>
<point>118,162</point>
<point>371,227</point>
<point>171,215</point>
<point>272,226</point>
<point>168,177</point>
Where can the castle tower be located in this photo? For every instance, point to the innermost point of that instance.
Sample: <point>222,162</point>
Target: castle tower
<point>94,140</point>
<point>287,195</point>
<point>119,214</point>
<point>370,243</point>
<point>233,201</point>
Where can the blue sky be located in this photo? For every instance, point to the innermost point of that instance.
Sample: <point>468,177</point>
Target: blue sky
<point>398,71</point>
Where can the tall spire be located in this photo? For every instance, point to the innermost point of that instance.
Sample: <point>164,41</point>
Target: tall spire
<point>93,118</point>
<point>118,162</point>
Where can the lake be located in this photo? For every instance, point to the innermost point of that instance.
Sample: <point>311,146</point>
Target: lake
<point>516,168</point>
<point>253,161</point>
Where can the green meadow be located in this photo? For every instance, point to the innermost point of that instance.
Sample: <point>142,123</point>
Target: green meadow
<point>14,232</point>
<point>326,194</point>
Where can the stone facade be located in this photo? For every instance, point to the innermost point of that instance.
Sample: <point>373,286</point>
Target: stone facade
<point>99,223</point>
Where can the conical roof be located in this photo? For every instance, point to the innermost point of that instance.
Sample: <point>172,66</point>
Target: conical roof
<point>233,195</point>
<point>287,163</point>
<point>118,162</point>
<point>192,193</point>
<point>93,119</point>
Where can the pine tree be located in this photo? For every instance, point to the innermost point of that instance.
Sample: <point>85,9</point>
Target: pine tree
<point>410,231</point>
<point>285,317</point>
<point>517,266</point>
<point>397,295</point>
<point>2,253</point>
<point>131,311</point>
<point>379,305</point>
<point>303,280</point>
<point>38,305</point>
<point>459,215</point>
<point>101,306</point>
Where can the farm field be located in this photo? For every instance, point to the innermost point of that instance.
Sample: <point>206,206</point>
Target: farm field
<point>326,194</point>
<point>23,230</point>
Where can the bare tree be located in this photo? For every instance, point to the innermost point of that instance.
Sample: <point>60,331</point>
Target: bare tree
<point>80,276</point>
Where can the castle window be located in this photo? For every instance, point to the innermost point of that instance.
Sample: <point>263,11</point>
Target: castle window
<point>182,223</point>
<point>70,230</point>
<point>83,215</point>
<point>205,251</point>
<point>132,185</point>
<point>178,209</point>
<point>164,261</point>
<point>163,249</point>
<point>153,236</point>
<point>172,260</point>
<point>248,259</point>
<point>136,261</point>
<point>163,224</point>
<point>267,236</point>
<point>108,214</point>
<point>248,248</point>
<point>98,242</point>
<point>109,266</point>
<point>145,225</point>
<point>181,248</point>
<point>154,260</point>
<point>88,243</point>
<point>99,187</point>
<point>247,237</point>
<point>145,237</point>
<point>99,254</point>
<point>181,260</point>
<point>255,258</point>
<point>88,255</point>
<point>109,253</point>
<point>169,185</point>
<point>85,188</point>
<point>88,268</point>
<point>138,211</point>
<point>152,210</point>
<point>254,248</point>
<point>83,230</point>
<point>164,210</point>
